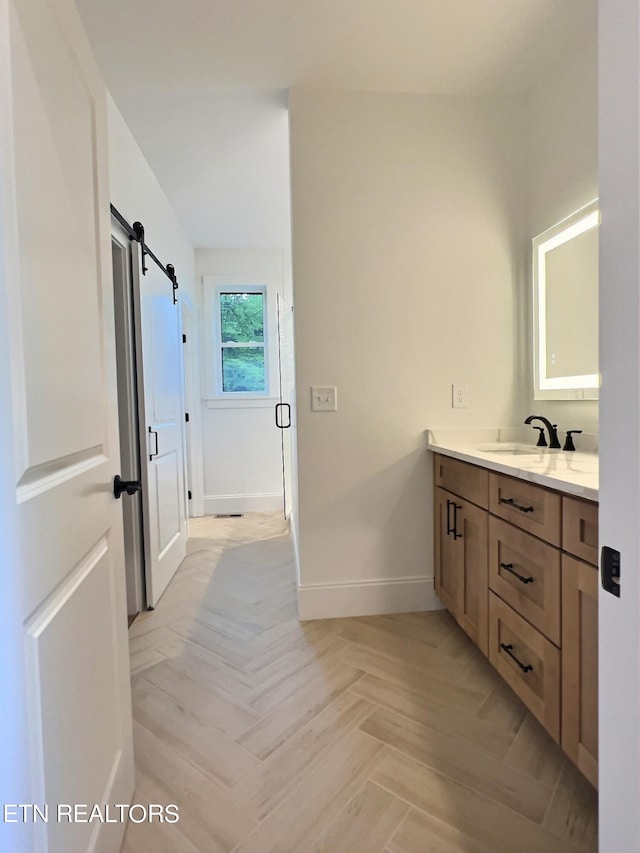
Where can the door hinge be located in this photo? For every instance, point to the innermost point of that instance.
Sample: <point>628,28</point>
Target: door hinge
<point>189,495</point>
<point>186,417</point>
<point>184,339</point>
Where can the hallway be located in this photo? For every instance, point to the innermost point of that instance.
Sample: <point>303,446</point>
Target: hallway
<point>387,733</point>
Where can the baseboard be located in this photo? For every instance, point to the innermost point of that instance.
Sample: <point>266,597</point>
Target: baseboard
<point>367,598</point>
<point>267,502</point>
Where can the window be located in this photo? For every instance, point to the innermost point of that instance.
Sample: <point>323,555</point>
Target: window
<point>241,335</point>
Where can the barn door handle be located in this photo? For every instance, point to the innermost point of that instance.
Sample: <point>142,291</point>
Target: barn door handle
<point>128,486</point>
<point>155,453</point>
<point>279,422</point>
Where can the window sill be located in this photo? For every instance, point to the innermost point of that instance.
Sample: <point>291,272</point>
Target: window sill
<point>242,403</point>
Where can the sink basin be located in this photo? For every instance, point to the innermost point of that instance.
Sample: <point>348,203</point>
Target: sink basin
<point>511,449</point>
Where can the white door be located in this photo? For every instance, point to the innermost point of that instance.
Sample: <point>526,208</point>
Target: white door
<point>285,411</point>
<point>61,322</point>
<point>162,418</point>
<point>619,617</point>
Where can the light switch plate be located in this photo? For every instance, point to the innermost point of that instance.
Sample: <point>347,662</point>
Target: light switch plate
<point>324,398</point>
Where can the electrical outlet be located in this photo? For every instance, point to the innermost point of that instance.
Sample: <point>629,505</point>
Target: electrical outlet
<point>324,398</point>
<point>459,396</point>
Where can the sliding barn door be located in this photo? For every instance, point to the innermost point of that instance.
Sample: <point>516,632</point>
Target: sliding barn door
<point>65,422</point>
<point>162,418</point>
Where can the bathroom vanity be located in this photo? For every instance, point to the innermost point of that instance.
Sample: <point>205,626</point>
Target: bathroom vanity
<point>516,553</point>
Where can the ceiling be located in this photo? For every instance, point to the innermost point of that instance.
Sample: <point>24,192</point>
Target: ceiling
<point>202,83</point>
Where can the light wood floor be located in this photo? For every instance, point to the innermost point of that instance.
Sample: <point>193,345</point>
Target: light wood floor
<point>389,733</point>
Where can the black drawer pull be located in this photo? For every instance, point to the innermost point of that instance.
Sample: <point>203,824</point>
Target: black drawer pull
<point>511,502</point>
<point>509,568</point>
<point>508,649</point>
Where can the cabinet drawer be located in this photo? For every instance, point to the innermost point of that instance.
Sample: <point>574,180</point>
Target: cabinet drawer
<point>580,529</point>
<point>533,508</point>
<point>527,661</point>
<point>526,574</point>
<point>461,478</point>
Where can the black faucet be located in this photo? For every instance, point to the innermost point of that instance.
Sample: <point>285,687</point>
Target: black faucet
<point>554,442</point>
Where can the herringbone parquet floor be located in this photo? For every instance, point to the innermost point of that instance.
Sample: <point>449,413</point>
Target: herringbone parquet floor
<point>389,733</point>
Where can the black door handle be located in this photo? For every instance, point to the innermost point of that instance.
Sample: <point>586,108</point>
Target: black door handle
<point>128,486</point>
<point>456,507</point>
<point>449,526</point>
<point>155,434</point>
<point>279,423</point>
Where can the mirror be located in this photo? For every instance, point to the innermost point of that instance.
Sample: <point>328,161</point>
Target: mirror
<point>565,292</point>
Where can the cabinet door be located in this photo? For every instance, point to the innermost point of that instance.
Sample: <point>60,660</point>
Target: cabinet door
<point>471,524</point>
<point>580,665</point>
<point>447,562</point>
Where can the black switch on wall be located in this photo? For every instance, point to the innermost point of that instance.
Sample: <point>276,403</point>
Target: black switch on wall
<point>610,569</point>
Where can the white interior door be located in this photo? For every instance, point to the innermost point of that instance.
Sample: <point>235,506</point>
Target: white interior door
<point>286,414</point>
<point>162,419</point>
<point>66,453</point>
<point>619,617</point>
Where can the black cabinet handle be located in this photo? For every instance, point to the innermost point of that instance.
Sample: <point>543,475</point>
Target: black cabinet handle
<point>153,432</point>
<point>456,535</point>
<point>128,486</point>
<point>453,528</point>
<point>279,422</point>
<point>511,502</point>
<point>450,529</point>
<point>525,667</point>
<point>509,568</point>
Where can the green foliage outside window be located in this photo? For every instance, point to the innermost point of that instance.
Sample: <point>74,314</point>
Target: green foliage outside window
<point>242,317</point>
<point>242,322</point>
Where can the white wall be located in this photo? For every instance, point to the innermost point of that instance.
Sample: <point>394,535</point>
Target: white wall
<point>562,138</point>
<point>241,444</point>
<point>136,193</point>
<point>407,227</point>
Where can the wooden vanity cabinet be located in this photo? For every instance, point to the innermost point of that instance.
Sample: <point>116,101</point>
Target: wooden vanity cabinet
<point>516,565</point>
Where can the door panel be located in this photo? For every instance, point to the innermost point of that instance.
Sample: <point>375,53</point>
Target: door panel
<point>65,421</point>
<point>161,414</point>
<point>167,474</point>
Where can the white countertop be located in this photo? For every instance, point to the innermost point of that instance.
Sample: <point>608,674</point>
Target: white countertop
<point>505,451</point>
